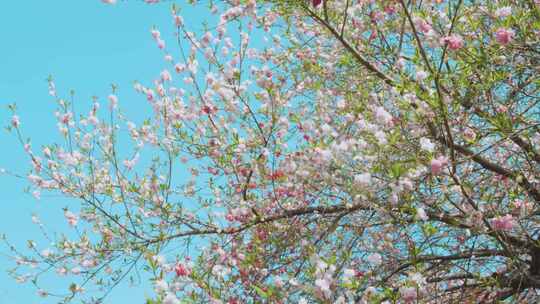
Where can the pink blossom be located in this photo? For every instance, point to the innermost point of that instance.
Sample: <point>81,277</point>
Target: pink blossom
<point>130,163</point>
<point>504,36</point>
<point>469,134</point>
<point>109,1</point>
<point>170,298</point>
<point>421,75</point>
<point>71,217</point>
<point>503,12</point>
<point>421,214</point>
<point>62,271</point>
<point>166,76</point>
<point>426,144</point>
<point>150,95</point>
<point>422,25</point>
<point>501,109</point>
<point>363,179</point>
<point>409,294</point>
<point>161,286</point>
<point>67,118</point>
<point>113,101</point>
<point>503,223</point>
<point>349,274</point>
<point>36,194</point>
<point>161,44</point>
<point>517,203</point>
<point>375,259</point>
<point>181,270</point>
<point>323,284</point>
<point>178,20</point>
<point>156,34</point>
<point>454,42</point>
<point>179,67</point>
<point>383,116</point>
<point>438,164</point>
<point>15,122</point>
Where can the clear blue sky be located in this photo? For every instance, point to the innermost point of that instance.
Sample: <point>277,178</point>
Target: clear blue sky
<point>85,45</point>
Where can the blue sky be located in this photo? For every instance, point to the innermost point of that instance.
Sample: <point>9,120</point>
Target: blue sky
<point>85,45</point>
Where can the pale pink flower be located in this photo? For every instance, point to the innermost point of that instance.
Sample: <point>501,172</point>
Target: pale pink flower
<point>426,144</point>
<point>504,36</point>
<point>181,270</point>
<point>46,253</point>
<point>178,20</point>
<point>179,67</point>
<point>166,76</point>
<point>517,203</point>
<point>207,38</point>
<point>501,109</point>
<point>363,179</point>
<point>66,118</point>
<point>422,25</point>
<point>375,259</point>
<point>421,75</point>
<point>503,223</point>
<point>161,286</point>
<point>408,294</point>
<point>15,122</point>
<point>381,137</point>
<point>421,214</point>
<point>438,164</point>
<point>170,298</point>
<point>417,278</point>
<point>113,101</point>
<point>71,217</point>
<point>469,134</point>
<point>383,116</point>
<point>454,42</point>
<point>155,34</point>
<point>161,44</point>
<point>349,274</point>
<point>323,284</point>
<point>76,271</point>
<point>62,271</point>
<point>109,1</point>
<point>503,12</point>
<point>130,163</point>
<point>150,95</point>
<point>36,194</point>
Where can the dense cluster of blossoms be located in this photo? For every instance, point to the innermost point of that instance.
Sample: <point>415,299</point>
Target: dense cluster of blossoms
<point>358,151</point>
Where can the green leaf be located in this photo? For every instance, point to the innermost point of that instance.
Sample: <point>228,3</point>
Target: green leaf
<point>260,292</point>
<point>396,170</point>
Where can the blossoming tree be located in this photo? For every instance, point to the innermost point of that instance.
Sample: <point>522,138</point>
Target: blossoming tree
<point>325,151</point>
